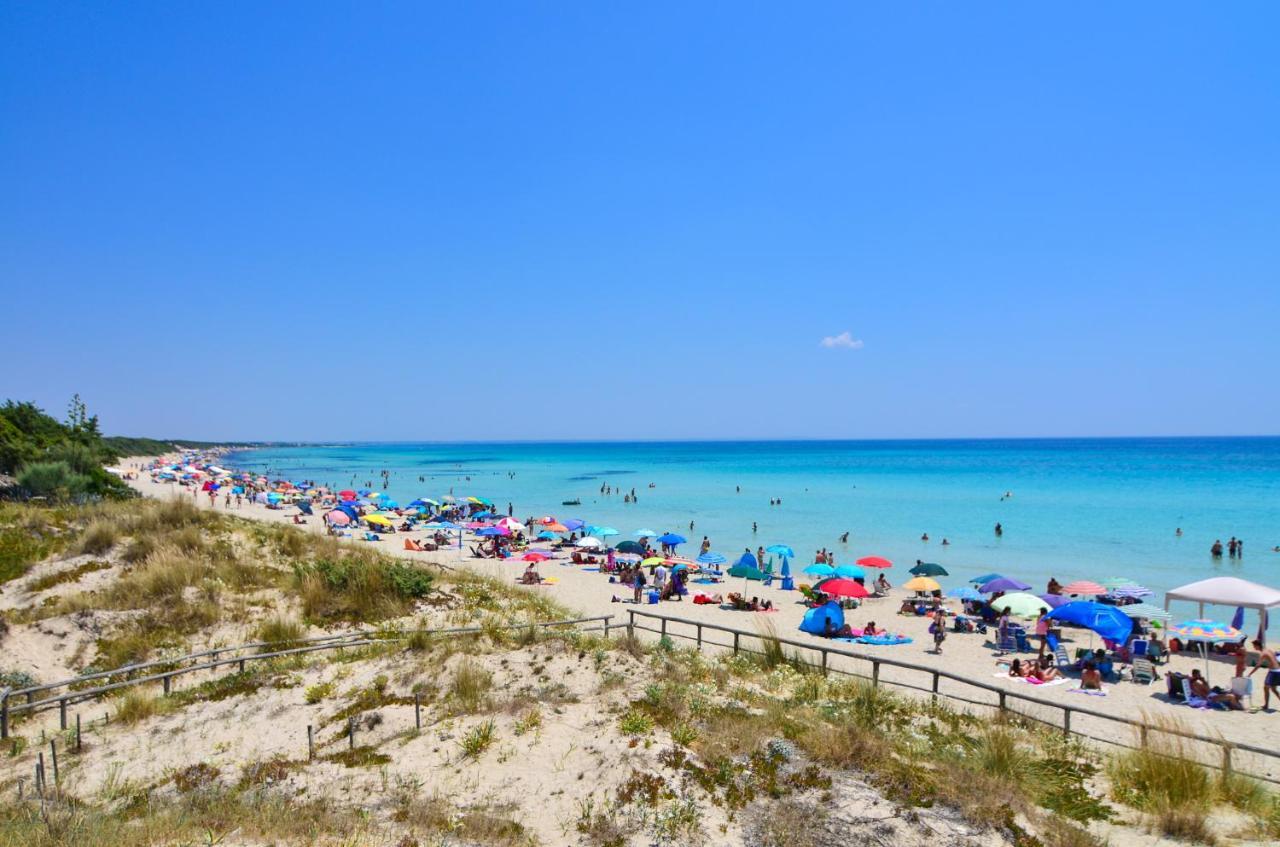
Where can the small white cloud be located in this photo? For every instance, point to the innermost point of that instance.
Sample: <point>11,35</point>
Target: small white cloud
<point>843,341</point>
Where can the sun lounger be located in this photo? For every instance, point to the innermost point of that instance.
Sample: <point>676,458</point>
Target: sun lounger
<point>1061,659</point>
<point>1143,671</point>
<point>1192,700</point>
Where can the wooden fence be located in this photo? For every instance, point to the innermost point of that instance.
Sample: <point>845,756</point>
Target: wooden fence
<point>1259,762</point>
<point>68,691</point>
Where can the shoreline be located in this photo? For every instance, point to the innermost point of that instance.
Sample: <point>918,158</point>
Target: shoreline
<point>590,593</point>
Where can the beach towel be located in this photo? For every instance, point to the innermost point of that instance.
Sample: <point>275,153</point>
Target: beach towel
<point>884,640</point>
<point>1031,681</point>
<point>1094,691</point>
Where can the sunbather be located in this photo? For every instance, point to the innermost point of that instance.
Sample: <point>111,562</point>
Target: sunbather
<point>530,575</point>
<point>1200,688</point>
<point>1091,677</point>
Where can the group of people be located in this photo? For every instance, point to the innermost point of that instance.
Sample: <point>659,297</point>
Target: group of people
<point>1235,548</point>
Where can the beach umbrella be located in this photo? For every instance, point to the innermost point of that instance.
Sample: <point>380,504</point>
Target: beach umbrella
<point>338,518</point>
<point>1083,587</point>
<point>711,558</point>
<point>1145,610</point>
<point>985,578</point>
<point>418,502</point>
<point>513,525</point>
<point>929,569</point>
<point>875,562</point>
<point>781,550</point>
<point>630,547</point>
<point>1020,604</point>
<point>490,531</point>
<point>644,533</point>
<point>364,492</point>
<point>747,572</point>
<point>304,507</point>
<point>850,572</point>
<point>573,524</point>
<point>922,583</point>
<point>1004,583</point>
<point>590,543</point>
<point>557,527</point>
<point>443,525</point>
<point>1125,592</point>
<point>535,556</point>
<point>840,587</point>
<point>1108,621</point>
<point>377,520</point>
<point>820,570</point>
<point>388,504</point>
<point>546,519</point>
<point>965,593</point>
<point>670,539</point>
<point>652,561</point>
<point>1205,632</point>
<point>547,535</point>
<point>480,516</point>
<point>1053,601</point>
<point>604,531</point>
<point>349,511</point>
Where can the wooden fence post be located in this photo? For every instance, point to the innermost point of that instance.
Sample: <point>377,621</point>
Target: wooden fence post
<point>824,661</point>
<point>40,772</point>
<point>664,627</point>
<point>875,673</point>
<point>53,755</point>
<point>4,714</point>
<point>735,643</point>
<point>1002,703</point>
<point>166,686</point>
<point>699,637</point>
<point>351,732</point>
<point>417,710</point>
<point>935,687</point>
<point>311,743</point>
<point>1066,721</point>
<point>1142,735</point>
<point>62,713</point>
<point>631,624</point>
<point>78,741</point>
<point>1226,760</point>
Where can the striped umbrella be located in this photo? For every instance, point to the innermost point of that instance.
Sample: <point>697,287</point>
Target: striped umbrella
<point>1116,582</point>
<point>1083,587</point>
<point>1146,610</point>
<point>1134,590</point>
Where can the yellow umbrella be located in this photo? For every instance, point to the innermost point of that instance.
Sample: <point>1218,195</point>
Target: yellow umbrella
<point>653,561</point>
<point>377,519</point>
<point>922,583</point>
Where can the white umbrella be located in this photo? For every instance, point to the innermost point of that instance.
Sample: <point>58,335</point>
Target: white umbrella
<point>592,543</point>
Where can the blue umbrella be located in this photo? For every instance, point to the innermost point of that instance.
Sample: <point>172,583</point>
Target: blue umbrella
<point>547,535</point>
<point>1107,621</point>
<point>985,578</point>
<point>390,504</point>
<point>489,531</point>
<point>965,593</point>
<point>442,525</point>
<point>669,538</point>
<point>482,515</point>
<point>304,507</point>
<point>820,570</point>
<point>850,572</point>
<point>781,550</point>
<point>711,558</point>
<point>418,502</point>
<point>364,492</point>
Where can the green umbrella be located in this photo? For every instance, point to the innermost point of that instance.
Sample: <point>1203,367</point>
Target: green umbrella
<point>929,569</point>
<point>1020,604</point>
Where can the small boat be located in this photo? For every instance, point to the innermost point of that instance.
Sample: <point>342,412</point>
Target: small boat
<point>570,502</point>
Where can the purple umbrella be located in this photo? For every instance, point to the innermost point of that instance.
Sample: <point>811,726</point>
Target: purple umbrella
<point>1054,600</point>
<point>1004,583</point>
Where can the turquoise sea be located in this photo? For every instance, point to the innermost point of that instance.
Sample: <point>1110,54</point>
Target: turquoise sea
<point>1080,508</point>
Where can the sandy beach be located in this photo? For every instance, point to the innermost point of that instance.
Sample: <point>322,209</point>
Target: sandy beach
<point>970,655</point>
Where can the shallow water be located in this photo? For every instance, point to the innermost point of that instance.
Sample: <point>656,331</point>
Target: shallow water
<point>1081,508</point>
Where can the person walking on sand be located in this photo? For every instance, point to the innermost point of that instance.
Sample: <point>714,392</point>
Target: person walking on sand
<point>939,629</point>
<point>1271,682</point>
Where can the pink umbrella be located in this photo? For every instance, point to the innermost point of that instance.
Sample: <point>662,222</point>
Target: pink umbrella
<point>338,518</point>
<point>1083,586</point>
<point>511,524</point>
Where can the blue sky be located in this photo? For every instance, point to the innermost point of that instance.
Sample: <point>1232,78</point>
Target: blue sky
<point>325,221</point>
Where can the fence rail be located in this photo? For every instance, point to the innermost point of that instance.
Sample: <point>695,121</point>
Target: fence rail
<point>1227,760</point>
<point>69,692</point>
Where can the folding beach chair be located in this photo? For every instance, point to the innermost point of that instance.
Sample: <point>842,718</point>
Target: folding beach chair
<point>1192,700</point>
<point>1060,658</point>
<point>1143,671</point>
<point>1020,637</point>
<point>1009,643</point>
<point>1139,647</point>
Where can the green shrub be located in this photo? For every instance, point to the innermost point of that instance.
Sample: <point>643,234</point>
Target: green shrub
<point>635,723</point>
<point>97,538</point>
<point>53,480</point>
<point>479,739</point>
<point>318,692</point>
<point>279,633</point>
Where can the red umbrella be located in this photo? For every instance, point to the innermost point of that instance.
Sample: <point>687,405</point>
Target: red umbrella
<point>347,495</point>
<point>875,562</point>
<point>535,556</point>
<point>841,587</point>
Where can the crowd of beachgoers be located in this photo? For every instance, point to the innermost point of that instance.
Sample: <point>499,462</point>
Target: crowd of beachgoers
<point>1089,637</point>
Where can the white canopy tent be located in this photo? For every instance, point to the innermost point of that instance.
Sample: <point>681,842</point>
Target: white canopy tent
<point>1226,591</point>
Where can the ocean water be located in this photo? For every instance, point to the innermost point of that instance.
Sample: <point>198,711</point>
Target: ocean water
<point>1080,508</point>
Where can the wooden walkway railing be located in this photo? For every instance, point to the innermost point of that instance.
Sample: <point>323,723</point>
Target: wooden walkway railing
<point>73,690</point>
<point>666,625</point>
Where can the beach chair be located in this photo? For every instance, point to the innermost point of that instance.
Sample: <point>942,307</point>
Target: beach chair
<point>1138,647</point>
<point>1192,700</point>
<point>1242,687</point>
<point>1061,659</point>
<point>1020,637</point>
<point>1008,643</point>
<point>1143,671</point>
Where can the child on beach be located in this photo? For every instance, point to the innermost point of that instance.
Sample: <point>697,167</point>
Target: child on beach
<point>939,629</point>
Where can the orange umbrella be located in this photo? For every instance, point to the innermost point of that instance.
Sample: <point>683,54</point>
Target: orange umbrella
<point>875,562</point>
<point>556,526</point>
